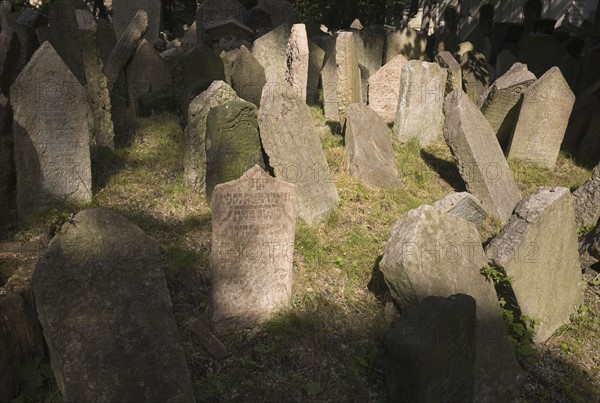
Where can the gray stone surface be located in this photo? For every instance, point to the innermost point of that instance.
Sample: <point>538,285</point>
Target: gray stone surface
<point>25,30</point>
<point>7,25</point>
<point>329,81</point>
<point>248,77</point>
<point>448,62</point>
<point>97,86</point>
<point>7,163</point>
<point>211,11</point>
<point>369,148</point>
<point>316,59</point>
<point>280,11</point>
<point>543,120</point>
<point>589,248</point>
<point>384,88</point>
<point>501,104</point>
<point>463,205</point>
<point>475,74</point>
<point>270,51</point>
<point>504,61</point>
<point>369,49</point>
<point>229,27</point>
<point>479,157</point>
<point>420,105</point>
<point>291,142</point>
<point>407,42</point>
<point>254,222</point>
<point>232,142</point>
<point>194,136</point>
<point>586,200</point>
<point>124,12</point>
<point>51,133</point>
<point>430,354</point>
<point>348,74</point>
<point>297,53</point>
<point>102,299</point>
<point>584,108</point>
<point>537,248</point>
<point>146,72</point>
<point>125,48</point>
<point>432,253</point>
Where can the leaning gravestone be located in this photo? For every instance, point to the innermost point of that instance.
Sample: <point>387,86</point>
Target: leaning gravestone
<point>430,252</point>
<point>543,120</point>
<point>369,148</point>
<point>539,246</point>
<point>254,221</point>
<point>348,74</point>
<point>421,101</point>
<point>270,51</point>
<point>384,88</point>
<point>146,72</point>
<point>51,133</point>
<point>292,144</point>
<point>316,58</point>
<point>125,10</point>
<point>194,137</point>
<point>102,299</point>
<point>586,200</point>
<point>479,157</point>
<point>407,42</point>
<point>502,104</point>
<point>248,77</point>
<point>475,73</point>
<point>297,60</point>
<point>430,354</point>
<point>463,205</point>
<point>232,142</point>
<point>448,62</point>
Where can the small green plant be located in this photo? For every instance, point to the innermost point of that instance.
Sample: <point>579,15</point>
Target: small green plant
<point>495,275</point>
<point>581,231</point>
<point>519,330</point>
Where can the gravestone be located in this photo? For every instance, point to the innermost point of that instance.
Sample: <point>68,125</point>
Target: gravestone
<point>369,148</point>
<point>51,134</point>
<point>449,63</point>
<point>539,246</point>
<point>248,77</point>
<point>7,25</point>
<point>543,120</point>
<point>430,252</point>
<point>542,52</point>
<point>329,82</point>
<point>270,51</point>
<point>7,164</point>
<point>463,205</point>
<point>229,58</point>
<point>475,74</point>
<point>102,299</point>
<point>369,49</point>
<point>479,157</point>
<point>280,11</point>
<point>502,104</point>
<point>97,86</point>
<point>589,248</point>
<point>232,142</point>
<point>291,142</point>
<point>147,72</point>
<point>212,11</point>
<point>189,39</point>
<point>125,48</point>
<point>365,75</point>
<point>584,109</point>
<point>194,136</point>
<point>25,30</point>
<point>297,60</point>
<point>229,27</point>
<point>430,354</point>
<point>504,61</point>
<point>407,42</point>
<point>316,59</point>
<point>348,74</point>
<point>421,101</point>
<point>586,200</point>
<point>384,88</point>
<point>254,222</point>
<point>125,10</point>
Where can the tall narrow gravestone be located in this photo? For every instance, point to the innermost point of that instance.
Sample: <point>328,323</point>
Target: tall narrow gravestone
<point>254,220</point>
<point>51,133</point>
<point>124,12</point>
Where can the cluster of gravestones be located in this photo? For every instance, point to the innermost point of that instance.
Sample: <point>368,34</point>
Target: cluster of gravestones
<point>72,81</point>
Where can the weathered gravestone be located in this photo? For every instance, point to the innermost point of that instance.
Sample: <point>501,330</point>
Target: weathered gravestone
<point>479,157</point>
<point>543,120</point>
<point>248,77</point>
<point>194,137</point>
<point>125,47</point>
<point>254,221</point>
<point>329,81</point>
<point>586,200</point>
<point>229,58</point>
<point>348,73</point>
<point>292,144</point>
<point>124,13</point>
<point>146,72</point>
<point>7,164</point>
<point>432,253</point>
<point>448,62</point>
<point>463,205</point>
<point>369,148</point>
<point>407,42</point>
<point>537,249</point>
<point>270,51</point>
<point>297,60</point>
<point>232,142</point>
<point>51,133</point>
<point>212,11</point>
<point>501,104</point>
<point>280,11</point>
<point>421,102</point>
<point>316,58</point>
<point>504,61</point>
<point>384,88</point>
<point>97,86</point>
<point>431,352</point>
<point>102,299</point>
<point>475,74</point>
<point>25,27</point>
<point>369,49</point>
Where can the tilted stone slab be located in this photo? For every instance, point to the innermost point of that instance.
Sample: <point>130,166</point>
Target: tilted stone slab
<point>463,205</point>
<point>125,10</point>
<point>329,80</point>
<point>538,250</point>
<point>543,120</point>
<point>248,77</point>
<point>369,148</point>
<point>421,102</point>
<point>348,73</point>
<point>479,157</point>
<point>432,253</point>
<point>384,88</point>
<point>290,140</point>
<point>316,59</point>
<point>51,134</point>
<point>200,68</point>
<point>252,251</point>
<point>448,62</point>
<point>297,53</point>
<point>270,51</point>
<point>102,299</point>
<point>586,200</point>
<point>475,74</point>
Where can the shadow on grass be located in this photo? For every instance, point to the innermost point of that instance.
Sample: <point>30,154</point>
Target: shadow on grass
<point>447,170</point>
